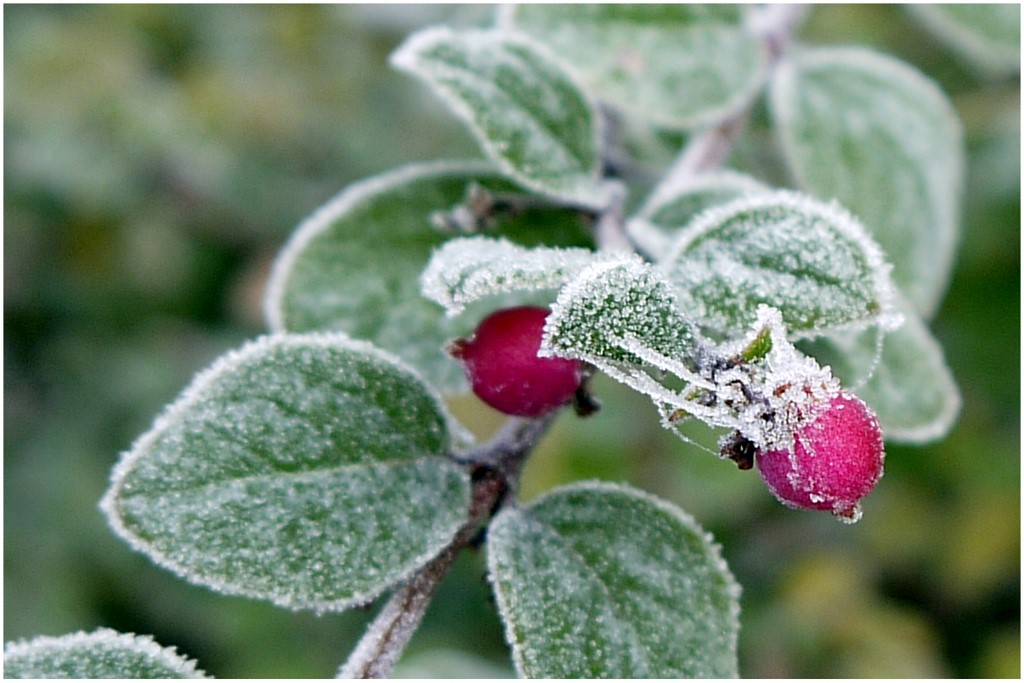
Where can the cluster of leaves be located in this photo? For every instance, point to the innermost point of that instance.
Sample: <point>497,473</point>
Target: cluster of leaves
<point>312,467</point>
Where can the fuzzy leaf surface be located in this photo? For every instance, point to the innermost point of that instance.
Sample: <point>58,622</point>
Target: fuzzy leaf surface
<point>987,35</point>
<point>911,387</point>
<point>308,470</point>
<point>603,581</point>
<point>616,312</point>
<point>104,653</point>
<point>812,261</point>
<point>679,66</point>
<point>881,139</point>
<point>354,265</point>
<point>523,108</point>
<point>468,269</point>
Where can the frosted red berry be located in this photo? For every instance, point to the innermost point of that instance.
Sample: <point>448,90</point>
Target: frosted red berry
<point>502,365</point>
<point>834,461</point>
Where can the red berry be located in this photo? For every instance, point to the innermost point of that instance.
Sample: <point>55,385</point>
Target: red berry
<point>833,462</point>
<point>501,363</point>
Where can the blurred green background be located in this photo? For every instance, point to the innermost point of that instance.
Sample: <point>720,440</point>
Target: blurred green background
<point>156,158</point>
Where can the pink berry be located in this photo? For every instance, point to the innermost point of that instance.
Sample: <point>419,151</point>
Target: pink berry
<point>501,363</point>
<point>833,462</point>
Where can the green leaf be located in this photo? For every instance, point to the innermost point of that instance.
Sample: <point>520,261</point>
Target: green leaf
<point>602,581</point>
<point>525,111</point>
<point>814,262</point>
<point>103,653</point>
<point>620,313</point>
<point>678,66</point>
<point>308,470</point>
<point>987,35</point>
<point>674,203</point>
<point>880,138</point>
<point>354,265</point>
<point>465,270</point>
<point>911,387</point>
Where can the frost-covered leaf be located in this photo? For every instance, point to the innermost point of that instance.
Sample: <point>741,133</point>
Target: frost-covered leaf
<point>674,203</point>
<point>468,269</point>
<point>879,137</point>
<point>617,312</point>
<point>603,581</point>
<point>354,265</point>
<point>911,386</point>
<point>676,65</point>
<point>524,109</point>
<point>812,261</point>
<point>308,470</point>
<point>986,34</point>
<point>104,653</point>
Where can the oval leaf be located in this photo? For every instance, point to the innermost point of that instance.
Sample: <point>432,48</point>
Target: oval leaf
<point>468,269</point>
<point>354,265</point>
<point>988,35</point>
<point>674,65</point>
<point>104,653</point>
<point>619,315</point>
<point>603,581</point>
<point>523,108</point>
<point>881,139</point>
<point>307,470</point>
<point>811,261</point>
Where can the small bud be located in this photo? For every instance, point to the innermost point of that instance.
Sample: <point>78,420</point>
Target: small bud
<point>833,461</point>
<point>501,363</point>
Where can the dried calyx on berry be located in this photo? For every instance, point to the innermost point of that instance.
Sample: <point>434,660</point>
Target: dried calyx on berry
<point>500,360</point>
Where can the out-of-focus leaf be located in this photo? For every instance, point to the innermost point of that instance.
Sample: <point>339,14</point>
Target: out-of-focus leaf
<point>911,387</point>
<point>676,65</point>
<point>986,34</point>
<point>880,138</point>
<point>526,112</point>
<point>354,265</point>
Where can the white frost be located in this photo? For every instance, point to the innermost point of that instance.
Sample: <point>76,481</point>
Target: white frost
<point>467,269</point>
